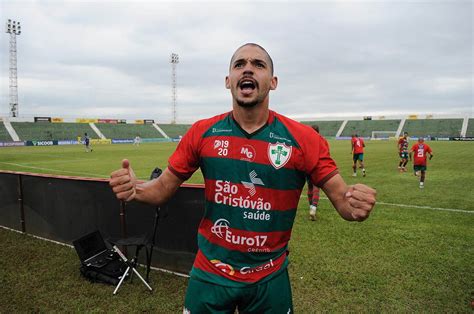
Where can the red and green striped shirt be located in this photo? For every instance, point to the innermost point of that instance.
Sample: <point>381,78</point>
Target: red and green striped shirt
<point>253,184</point>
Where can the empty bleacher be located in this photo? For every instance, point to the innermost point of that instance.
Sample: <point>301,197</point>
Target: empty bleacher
<point>326,128</point>
<point>433,127</point>
<point>174,130</point>
<point>4,135</point>
<point>470,128</point>
<point>365,128</point>
<point>35,131</point>
<point>128,130</point>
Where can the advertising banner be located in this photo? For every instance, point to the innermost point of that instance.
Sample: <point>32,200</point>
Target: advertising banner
<point>413,117</point>
<point>149,121</point>
<point>81,120</point>
<point>42,119</point>
<point>57,120</point>
<point>139,122</point>
<point>122,141</point>
<point>467,138</point>
<point>68,142</point>
<point>10,144</point>
<point>121,121</point>
<point>96,141</point>
<point>41,143</point>
<point>111,121</point>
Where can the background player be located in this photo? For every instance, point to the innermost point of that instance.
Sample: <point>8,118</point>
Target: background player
<point>357,151</point>
<point>421,149</point>
<point>403,152</point>
<point>87,143</point>
<point>313,191</point>
<point>136,141</point>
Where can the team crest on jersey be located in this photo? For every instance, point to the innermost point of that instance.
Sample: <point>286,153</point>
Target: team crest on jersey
<point>279,154</point>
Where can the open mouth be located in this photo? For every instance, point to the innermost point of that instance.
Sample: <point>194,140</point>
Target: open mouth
<point>247,85</point>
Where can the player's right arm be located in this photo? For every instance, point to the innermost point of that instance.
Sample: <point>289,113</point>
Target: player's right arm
<point>126,186</point>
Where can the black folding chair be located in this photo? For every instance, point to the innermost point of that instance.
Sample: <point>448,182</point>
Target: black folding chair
<point>143,241</point>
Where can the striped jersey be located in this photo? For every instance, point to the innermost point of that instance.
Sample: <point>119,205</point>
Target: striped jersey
<point>403,145</point>
<point>253,184</point>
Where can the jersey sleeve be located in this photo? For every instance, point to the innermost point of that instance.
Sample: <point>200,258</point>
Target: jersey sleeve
<point>320,166</point>
<point>185,159</point>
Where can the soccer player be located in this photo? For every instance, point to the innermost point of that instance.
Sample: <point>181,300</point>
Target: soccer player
<point>403,152</point>
<point>254,162</point>
<point>421,150</point>
<point>87,143</point>
<point>313,191</point>
<point>137,140</point>
<point>357,151</point>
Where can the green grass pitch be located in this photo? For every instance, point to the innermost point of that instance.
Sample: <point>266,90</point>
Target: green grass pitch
<point>414,254</point>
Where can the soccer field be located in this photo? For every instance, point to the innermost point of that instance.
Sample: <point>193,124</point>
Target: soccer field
<point>414,253</point>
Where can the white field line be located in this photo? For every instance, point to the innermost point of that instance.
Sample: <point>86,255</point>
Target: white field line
<point>63,171</point>
<point>414,206</point>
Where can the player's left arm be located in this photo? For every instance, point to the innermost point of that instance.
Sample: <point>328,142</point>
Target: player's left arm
<point>430,152</point>
<point>353,203</point>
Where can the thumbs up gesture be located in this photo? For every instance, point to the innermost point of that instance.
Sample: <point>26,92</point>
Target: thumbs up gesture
<point>123,182</point>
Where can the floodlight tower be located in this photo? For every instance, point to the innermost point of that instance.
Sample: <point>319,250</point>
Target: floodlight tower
<point>13,28</point>
<point>174,61</point>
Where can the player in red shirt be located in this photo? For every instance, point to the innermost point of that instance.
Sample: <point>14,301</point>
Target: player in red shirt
<point>403,152</point>
<point>357,151</point>
<point>254,162</point>
<point>421,150</point>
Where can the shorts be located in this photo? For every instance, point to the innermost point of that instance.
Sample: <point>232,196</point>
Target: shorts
<point>272,296</point>
<point>404,155</point>
<point>419,168</point>
<point>356,157</point>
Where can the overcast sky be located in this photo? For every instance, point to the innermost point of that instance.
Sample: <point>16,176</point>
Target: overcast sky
<point>110,59</point>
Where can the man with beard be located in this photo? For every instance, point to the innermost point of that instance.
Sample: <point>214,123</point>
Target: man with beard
<point>254,162</point>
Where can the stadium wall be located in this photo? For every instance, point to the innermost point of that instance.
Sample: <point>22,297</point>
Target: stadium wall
<point>63,209</point>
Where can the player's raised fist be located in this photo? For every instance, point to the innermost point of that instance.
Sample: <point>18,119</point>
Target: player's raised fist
<point>362,200</point>
<point>123,182</point>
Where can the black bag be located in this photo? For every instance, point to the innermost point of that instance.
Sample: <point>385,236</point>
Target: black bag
<point>108,274</point>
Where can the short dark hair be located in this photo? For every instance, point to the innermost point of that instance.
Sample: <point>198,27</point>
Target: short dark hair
<point>255,45</point>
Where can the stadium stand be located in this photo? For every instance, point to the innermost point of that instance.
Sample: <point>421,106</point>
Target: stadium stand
<point>433,127</point>
<point>365,128</point>
<point>128,130</point>
<point>4,135</point>
<point>326,128</point>
<point>175,130</point>
<point>470,128</point>
<point>36,131</point>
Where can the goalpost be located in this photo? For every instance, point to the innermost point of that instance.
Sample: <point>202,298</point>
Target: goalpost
<point>383,135</point>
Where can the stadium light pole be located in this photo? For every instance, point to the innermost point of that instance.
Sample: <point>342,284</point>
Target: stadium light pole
<point>174,61</point>
<point>13,28</point>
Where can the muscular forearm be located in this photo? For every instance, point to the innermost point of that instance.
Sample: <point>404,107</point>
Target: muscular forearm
<point>351,202</point>
<point>158,191</point>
